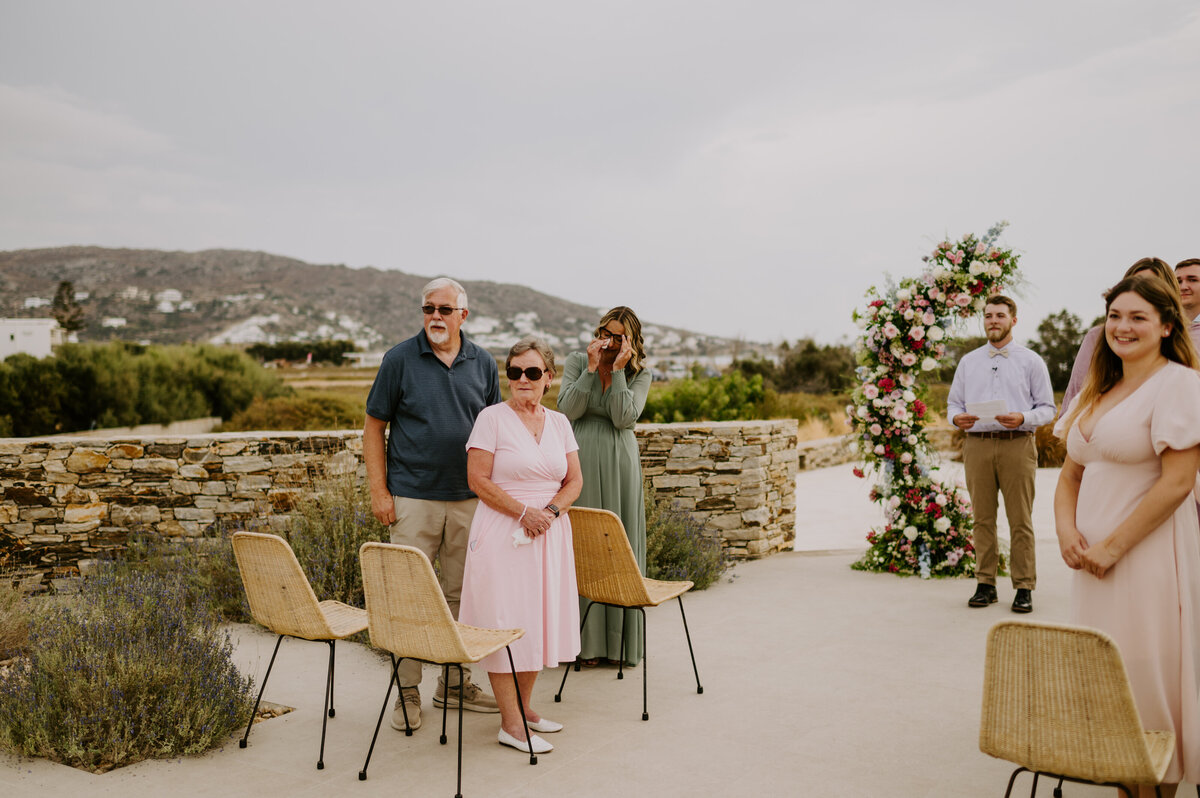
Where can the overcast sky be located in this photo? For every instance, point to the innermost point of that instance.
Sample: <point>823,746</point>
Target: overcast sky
<point>742,168</point>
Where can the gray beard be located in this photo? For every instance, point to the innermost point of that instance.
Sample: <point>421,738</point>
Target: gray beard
<point>438,336</point>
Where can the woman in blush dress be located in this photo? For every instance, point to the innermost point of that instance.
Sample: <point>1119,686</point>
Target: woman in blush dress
<point>1121,510</point>
<point>603,392</point>
<point>523,464</point>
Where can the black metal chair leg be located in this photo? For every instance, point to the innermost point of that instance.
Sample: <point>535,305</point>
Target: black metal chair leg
<point>645,664</point>
<point>393,679</point>
<point>1033,791</point>
<point>1058,793</point>
<point>446,695</point>
<point>458,793</point>
<point>688,634</point>
<point>520,705</point>
<point>262,687</point>
<point>567,669</point>
<point>621,663</point>
<point>332,663</point>
<point>327,708</point>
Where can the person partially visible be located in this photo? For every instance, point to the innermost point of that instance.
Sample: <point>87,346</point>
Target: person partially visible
<point>999,453</point>
<point>523,463</point>
<point>1121,512</point>
<point>604,392</point>
<point>1156,267</point>
<point>426,396</point>
<point>1187,272</point>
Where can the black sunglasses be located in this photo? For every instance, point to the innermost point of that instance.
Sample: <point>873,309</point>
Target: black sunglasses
<point>533,373</point>
<point>609,335</point>
<point>444,310</point>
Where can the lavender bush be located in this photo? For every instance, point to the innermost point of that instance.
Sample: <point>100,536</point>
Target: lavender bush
<point>124,672</point>
<point>681,547</point>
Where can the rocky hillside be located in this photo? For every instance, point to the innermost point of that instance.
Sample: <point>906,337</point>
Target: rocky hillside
<point>238,297</point>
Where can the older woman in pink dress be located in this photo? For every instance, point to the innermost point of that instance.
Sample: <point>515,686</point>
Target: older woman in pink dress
<point>1121,510</point>
<point>523,463</point>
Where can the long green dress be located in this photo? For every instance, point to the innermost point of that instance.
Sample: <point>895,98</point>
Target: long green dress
<point>612,480</point>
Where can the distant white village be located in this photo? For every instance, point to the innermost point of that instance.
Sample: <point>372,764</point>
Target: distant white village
<point>676,353</point>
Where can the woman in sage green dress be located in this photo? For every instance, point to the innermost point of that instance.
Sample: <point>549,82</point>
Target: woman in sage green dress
<point>603,393</point>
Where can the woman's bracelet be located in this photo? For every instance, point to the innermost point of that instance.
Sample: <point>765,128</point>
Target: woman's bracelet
<point>524,509</point>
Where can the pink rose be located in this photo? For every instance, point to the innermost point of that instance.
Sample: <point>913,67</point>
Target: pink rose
<point>962,300</point>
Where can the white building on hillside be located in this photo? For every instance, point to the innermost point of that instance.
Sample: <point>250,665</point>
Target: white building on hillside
<point>36,337</point>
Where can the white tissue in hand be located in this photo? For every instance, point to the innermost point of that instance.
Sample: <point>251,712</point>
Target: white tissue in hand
<point>520,538</point>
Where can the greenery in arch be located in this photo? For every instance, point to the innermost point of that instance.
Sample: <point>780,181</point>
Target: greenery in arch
<point>927,523</point>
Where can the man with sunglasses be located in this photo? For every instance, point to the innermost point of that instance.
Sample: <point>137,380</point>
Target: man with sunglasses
<point>429,390</point>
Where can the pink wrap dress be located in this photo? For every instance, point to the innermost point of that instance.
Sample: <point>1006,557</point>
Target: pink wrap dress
<point>1149,602</point>
<point>530,585</point>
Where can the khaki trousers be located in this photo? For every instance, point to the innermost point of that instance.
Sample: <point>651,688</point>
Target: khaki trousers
<point>441,530</point>
<point>996,466</point>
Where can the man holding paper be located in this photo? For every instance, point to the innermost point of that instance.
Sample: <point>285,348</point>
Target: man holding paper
<point>1001,393</point>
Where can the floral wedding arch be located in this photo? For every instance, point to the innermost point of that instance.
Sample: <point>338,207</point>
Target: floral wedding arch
<point>927,523</point>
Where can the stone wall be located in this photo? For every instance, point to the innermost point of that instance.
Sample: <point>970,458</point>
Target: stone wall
<point>739,476</point>
<point>64,499</point>
<point>67,499</point>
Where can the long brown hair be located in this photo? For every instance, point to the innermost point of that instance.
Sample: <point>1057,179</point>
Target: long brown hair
<point>1159,268</point>
<point>1106,369</point>
<point>633,328</point>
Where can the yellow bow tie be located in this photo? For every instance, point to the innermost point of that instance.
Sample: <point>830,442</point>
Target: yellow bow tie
<point>993,352</point>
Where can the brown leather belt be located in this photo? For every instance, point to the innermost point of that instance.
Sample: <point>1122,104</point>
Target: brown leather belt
<point>1007,435</point>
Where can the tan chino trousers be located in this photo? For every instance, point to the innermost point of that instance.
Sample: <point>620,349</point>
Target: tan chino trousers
<point>994,467</point>
<point>440,529</point>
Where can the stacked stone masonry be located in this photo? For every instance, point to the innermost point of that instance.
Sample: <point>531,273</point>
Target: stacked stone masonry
<point>67,499</point>
<point>738,476</point>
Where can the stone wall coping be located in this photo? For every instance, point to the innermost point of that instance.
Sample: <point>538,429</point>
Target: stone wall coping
<point>176,437</point>
<point>706,425</point>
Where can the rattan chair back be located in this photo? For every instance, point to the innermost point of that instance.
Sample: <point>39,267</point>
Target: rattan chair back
<point>406,611</point>
<point>605,567</point>
<point>1056,699</point>
<point>279,594</point>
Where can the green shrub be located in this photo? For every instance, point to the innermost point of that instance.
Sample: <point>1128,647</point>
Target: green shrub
<point>126,672</point>
<point>14,619</point>
<point>308,411</point>
<point>326,533</point>
<point>204,569</point>
<point>730,397</point>
<point>681,547</point>
<point>85,386</point>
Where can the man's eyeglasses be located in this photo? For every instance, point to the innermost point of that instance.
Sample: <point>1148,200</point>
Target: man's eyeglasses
<point>608,335</point>
<point>444,310</point>
<point>533,373</point>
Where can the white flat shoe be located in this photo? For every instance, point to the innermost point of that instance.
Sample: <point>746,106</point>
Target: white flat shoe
<point>545,726</point>
<point>540,746</point>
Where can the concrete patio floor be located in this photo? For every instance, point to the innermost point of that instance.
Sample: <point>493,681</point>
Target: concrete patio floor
<point>818,680</point>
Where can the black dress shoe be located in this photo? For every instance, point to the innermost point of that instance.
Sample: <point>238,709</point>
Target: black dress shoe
<point>1023,602</point>
<point>984,595</point>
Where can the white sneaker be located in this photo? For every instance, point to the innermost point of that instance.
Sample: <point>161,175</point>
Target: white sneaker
<point>540,746</point>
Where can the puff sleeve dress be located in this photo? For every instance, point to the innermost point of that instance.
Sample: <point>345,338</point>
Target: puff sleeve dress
<point>532,585</point>
<point>1148,602</point>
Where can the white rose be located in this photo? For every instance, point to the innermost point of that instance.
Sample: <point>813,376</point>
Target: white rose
<point>908,314</point>
<point>908,380</point>
<point>941,500</point>
<point>909,397</point>
<point>928,364</point>
<point>976,268</point>
<point>935,333</point>
<point>912,440</point>
<point>879,448</point>
<point>903,295</point>
<point>862,411</point>
<point>894,502</point>
<point>906,457</point>
<point>910,532</point>
<point>942,524</point>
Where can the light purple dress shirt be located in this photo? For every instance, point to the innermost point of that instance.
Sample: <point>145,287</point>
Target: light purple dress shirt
<point>1021,380</point>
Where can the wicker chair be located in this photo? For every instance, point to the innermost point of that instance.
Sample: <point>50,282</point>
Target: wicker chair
<point>409,618</point>
<point>282,600</point>
<point>607,573</point>
<point>1057,702</point>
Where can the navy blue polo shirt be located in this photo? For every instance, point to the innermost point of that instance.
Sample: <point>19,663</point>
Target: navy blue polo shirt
<point>430,409</point>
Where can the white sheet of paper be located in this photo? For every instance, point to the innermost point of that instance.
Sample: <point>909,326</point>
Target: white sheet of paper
<point>995,407</point>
